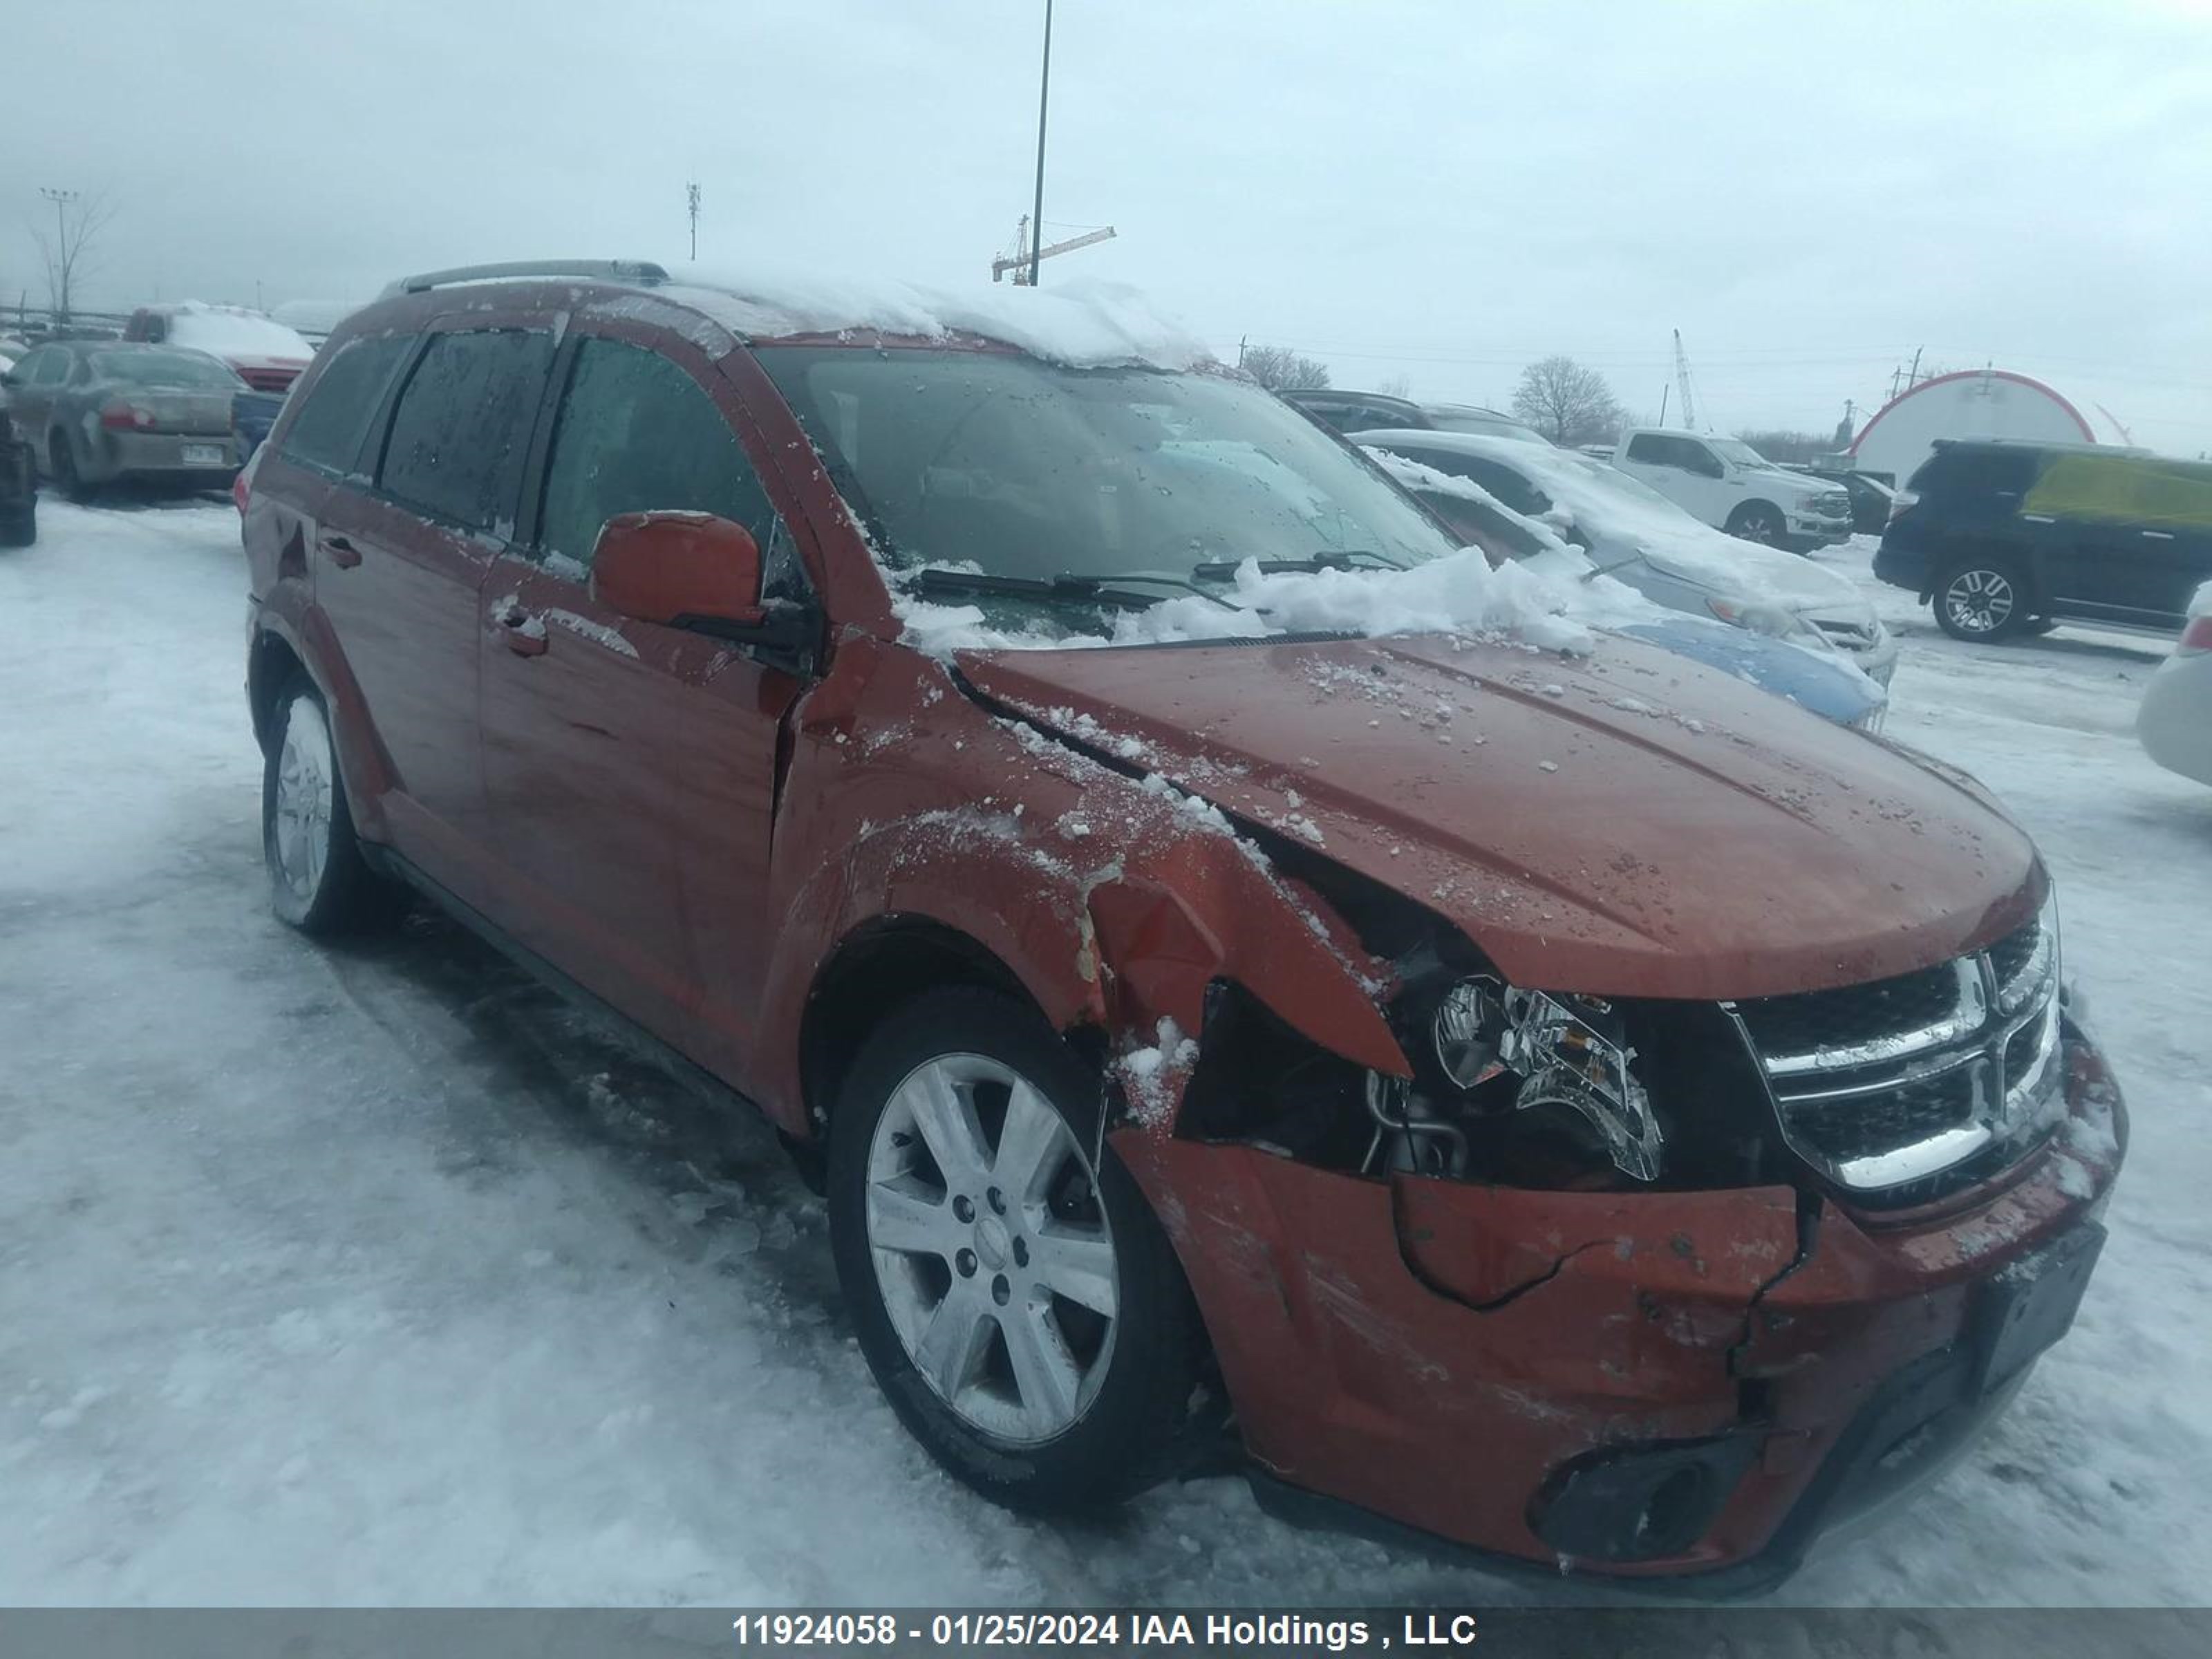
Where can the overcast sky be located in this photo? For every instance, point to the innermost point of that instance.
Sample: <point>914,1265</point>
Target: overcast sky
<point>1437,189</point>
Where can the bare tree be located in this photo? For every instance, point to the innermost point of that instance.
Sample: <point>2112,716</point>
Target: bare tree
<point>1567,402</point>
<point>67,247</point>
<point>1398,385</point>
<point>1281,369</point>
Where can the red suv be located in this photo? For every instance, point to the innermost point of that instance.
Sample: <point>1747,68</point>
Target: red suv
<point>1576,1106</point>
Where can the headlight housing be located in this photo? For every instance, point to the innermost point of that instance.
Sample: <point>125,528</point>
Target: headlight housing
<point>1564,1051</point>
<point>1760,616</point>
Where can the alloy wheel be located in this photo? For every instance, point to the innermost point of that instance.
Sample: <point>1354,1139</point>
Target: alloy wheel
<point>305,772</point>
<point>1980,601</point>
<point>991,1248</point>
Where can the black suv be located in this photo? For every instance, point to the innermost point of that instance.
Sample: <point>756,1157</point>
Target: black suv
<point>2002,536</point>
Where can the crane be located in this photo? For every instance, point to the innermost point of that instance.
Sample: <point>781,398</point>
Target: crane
<point>1018,261</point>
<point>1682,382</point>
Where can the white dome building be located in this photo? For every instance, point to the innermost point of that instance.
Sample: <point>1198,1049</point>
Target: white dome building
<point>1975,402</point>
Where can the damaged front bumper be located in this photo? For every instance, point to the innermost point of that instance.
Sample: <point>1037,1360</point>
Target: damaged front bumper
<point>1683,1388</point>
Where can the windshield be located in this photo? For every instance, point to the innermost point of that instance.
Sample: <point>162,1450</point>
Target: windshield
<point>1487,426</point>
<point>156,367</point>
<point>1734,449</point>
<point>1007,465</point>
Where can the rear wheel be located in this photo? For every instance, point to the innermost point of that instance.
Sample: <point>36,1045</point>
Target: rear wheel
<point>1981,600</point>
<point>1021,1308</point>
<point>61,461</point>
<point>1758,521</point>
<point>319,881</point>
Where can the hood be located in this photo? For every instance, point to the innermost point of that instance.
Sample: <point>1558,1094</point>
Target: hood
<point>1797,484</point>
<point>1712,560</point>
<point>1627,824</point>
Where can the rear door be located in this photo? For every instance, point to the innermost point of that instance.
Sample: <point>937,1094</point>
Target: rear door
<point>630,768</point>
<point>398,566</point>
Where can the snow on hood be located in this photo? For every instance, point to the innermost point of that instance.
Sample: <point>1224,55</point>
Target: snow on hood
<point>1079,323</point>
<point>1619,516</point>
<point>234,331</point>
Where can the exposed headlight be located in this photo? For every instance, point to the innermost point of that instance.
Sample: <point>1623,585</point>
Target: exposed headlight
<point>1760,617</point>
<point>1483,1028</point>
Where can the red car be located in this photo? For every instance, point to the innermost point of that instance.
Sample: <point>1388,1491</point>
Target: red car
<point>1579,1108</point>
<point>267,356</point>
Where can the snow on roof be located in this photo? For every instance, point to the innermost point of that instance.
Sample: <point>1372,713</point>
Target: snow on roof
<point>234,331</point>
<point>1080,323</point>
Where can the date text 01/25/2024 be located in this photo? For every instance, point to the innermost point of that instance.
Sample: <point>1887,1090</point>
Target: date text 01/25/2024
<point>1199,1631</point>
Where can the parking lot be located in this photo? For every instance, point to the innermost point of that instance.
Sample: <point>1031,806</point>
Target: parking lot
<point>377,1276</point>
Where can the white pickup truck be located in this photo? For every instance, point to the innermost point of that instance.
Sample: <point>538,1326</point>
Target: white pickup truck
<point>1732,487</point>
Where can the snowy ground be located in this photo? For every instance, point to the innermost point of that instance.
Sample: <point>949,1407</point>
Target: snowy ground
<point>376,1277</point>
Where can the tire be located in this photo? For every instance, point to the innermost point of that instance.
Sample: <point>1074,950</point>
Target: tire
<point>318,882</point>
<point>61,456</point>
<point>1079,1394</point>
<point>19,527</point>
<point>1980,600</point>
<point>1760,521</point>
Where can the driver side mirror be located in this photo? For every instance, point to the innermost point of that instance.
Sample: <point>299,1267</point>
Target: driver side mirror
<point>680,570</point>
<point>1710,464</point>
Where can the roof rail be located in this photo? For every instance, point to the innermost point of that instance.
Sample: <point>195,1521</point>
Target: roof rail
<point>640,271</point>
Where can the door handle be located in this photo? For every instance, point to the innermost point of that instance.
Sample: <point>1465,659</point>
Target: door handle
<point>340,551</point>
<point>525,634</point>
<point>2159,535</point>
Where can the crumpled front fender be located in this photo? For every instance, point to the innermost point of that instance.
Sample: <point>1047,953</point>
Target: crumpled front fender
<point>1114,901</point>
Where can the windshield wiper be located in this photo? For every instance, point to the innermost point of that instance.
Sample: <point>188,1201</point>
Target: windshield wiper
<point>1595,571</point>
<point>1067,585</point>
<point>1222,570</point>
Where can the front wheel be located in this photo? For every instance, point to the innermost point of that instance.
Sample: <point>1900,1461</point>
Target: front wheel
<point>1980,600</point>
<point>19,527</point>
<point>1757,521</point>
<point>1021,1308</point>
<point>319,881</point>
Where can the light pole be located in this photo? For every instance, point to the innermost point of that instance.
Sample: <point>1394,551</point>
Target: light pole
<point>1044,93</point>
<point>61,199</point>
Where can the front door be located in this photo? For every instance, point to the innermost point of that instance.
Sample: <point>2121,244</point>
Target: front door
<point>397,572</point>
<point>630,768</point>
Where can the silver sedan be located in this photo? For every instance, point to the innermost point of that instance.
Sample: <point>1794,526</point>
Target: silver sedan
<point>97,410</point>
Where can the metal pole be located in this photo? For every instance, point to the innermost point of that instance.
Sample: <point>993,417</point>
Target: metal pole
<point>62,261</point>
<point>1044,92</point>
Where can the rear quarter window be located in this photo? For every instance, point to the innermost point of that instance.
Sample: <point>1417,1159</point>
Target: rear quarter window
<point>327,431</point>
<point>1978,472</point>
<point>461,430</point>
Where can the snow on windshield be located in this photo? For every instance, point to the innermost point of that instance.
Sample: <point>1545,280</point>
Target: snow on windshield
<point>1079,323</point>
<point>234,331</point>
<point>1553,600</point>
<point>1619,515</point>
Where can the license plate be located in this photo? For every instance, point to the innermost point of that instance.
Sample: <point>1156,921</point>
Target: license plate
<point>2031,1305</point>
<point>203,454</point>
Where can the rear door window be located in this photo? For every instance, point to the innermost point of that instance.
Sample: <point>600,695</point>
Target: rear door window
<point>636,433</point>
<point>326,434</point>
<point>460,434</point>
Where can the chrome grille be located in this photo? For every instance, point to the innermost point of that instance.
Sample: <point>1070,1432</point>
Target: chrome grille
<point>1882,1084</point>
